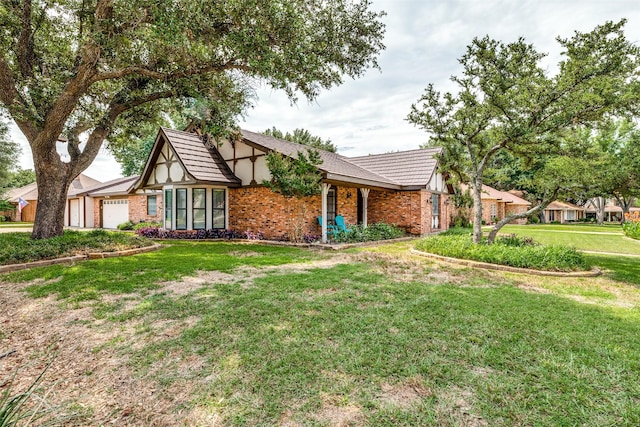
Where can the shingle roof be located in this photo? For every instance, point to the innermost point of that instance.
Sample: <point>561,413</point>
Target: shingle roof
<point>408,168</point>
<point>201,163</point>
<point>30,191</point>
<point>558,205</point>
<point>335,165</point>
<point>118,186</point>
<point>503,196</point>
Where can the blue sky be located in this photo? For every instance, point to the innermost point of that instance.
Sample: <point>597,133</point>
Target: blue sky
<point>424,39</point>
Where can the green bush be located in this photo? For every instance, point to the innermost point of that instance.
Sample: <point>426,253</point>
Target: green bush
<point>143,224</point>
<point>632,229</point>
<point>372,232</point>
<point>533,219</point>
<point>126,226</point>
<point>17,248</point>
<point>511,251</point>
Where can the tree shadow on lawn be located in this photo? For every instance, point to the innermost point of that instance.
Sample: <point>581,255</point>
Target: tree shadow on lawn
<point>620,268</point>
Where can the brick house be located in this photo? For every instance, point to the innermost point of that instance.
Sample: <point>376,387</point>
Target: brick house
<point>497,205</point>
<point>562,212</point>
<point>219,186</point>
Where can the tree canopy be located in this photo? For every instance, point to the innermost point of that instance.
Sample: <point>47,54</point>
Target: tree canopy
<point>304,137</point>
<point>92,69</point>
<point>507,101</point>
<point>9,152</point>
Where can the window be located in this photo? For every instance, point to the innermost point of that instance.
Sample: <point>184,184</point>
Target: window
<point>494,210</point>
<point>181,209</point>
<point>152,206</point>
<point>435,211</point>
<point>168,203</point>
<point>199,206</point>
<point>332,201</point>
<point>219,208</point>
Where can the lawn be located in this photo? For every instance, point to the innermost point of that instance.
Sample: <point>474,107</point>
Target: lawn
<point>11,224</point>
<point>239,334</point>
<point>591,238</point>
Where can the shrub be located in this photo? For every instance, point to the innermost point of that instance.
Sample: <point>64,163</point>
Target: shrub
<point>631,227</point>
<point>511,251</point>
<point>533,219</point>
<point>19,247</point>
<point>125,226</point>
<point>372,232</point>
<point>143,224</point>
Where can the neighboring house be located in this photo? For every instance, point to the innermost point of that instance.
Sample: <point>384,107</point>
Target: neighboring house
<point>562,212</point>
<point>75,210</point>
<point>612,211</point>
<point>497,205</point>
<point>112,204</point>
<point>207,186</point>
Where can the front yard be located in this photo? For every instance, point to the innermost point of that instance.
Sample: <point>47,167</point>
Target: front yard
<point>239,334</point>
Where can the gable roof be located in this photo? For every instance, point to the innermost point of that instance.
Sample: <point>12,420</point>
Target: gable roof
<point>30,191</point>
<point>558,205</point>
<point>199,162</point>
<point>118,186</point>
<point>335,166</point>
<point>408,168</point>
<point>490,193</point>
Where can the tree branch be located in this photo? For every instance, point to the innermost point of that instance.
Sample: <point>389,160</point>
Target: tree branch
<point>25,47</point>
<point>156,75</point>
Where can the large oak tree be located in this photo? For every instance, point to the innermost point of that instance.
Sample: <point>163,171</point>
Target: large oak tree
<point>90,69</point>
<point>507,101</point>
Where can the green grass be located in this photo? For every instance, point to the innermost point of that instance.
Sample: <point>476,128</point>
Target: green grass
<point>621,268</point>
<point>11,224</point>
<point>590,238</point>
<point>88,280</point>
<point>350,344</point>
<point>19,247</point>
<point>514,254</point>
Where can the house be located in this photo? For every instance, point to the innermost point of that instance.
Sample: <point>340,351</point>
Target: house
<point>612,210</point>
<point>497,205</point>
<point>75,210</point>
<point>563,212</point>
<point>112,204</point>
<point>207,185</point>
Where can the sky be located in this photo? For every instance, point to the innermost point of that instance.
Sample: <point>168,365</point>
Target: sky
<point>424,39</point>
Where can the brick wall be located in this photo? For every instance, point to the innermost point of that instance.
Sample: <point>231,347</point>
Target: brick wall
<point>409,210</point>
<point>516,209</point>
<point>258,209</point>
<point>138,208</point>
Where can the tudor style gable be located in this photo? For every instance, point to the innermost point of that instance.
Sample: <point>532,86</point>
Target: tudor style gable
<point>167,168</point>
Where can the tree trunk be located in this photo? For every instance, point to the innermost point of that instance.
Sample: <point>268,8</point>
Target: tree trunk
<point>533,211</point>
<point>476,187</point>
<point>599,203</point>
<point>53,179</point>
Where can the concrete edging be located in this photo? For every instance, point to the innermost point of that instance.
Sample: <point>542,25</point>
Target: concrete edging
<point>498,267</point>
<point>71,259</point>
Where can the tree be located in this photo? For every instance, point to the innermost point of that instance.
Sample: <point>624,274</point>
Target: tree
<point>19,178</point>
<point>619,142</point>
<point>295,177</point>
<point>89,70</point>
<point>304,137</point>
<point>9,152</point>
<point>508,102</point>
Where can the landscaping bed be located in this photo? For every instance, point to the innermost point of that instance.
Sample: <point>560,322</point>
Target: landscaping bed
<point>17,248</point>
<point>512,250</point>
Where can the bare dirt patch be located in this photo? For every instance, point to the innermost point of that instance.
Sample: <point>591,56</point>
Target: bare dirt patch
<point>404,395</point>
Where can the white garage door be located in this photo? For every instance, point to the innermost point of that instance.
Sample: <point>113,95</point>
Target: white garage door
<point>114,212</point>
<point>74,213</point>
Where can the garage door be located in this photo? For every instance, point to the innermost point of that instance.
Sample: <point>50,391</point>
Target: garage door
<point>74,212</point>
<point>114,212</point>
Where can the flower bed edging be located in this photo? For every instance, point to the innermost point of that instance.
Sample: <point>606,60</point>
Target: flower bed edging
<point>498,267</point>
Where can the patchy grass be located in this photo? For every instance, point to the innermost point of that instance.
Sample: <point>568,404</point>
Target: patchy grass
<point>17,248</point>
<point>258,335</point>
<point>144,272</point>
<point>620,268</point>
